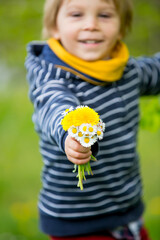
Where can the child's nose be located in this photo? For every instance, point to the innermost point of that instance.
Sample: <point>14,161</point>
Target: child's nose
<point>91,24</point>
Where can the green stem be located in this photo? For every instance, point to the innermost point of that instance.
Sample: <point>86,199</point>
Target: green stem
<point>93,158</point>
<point>81,172</point>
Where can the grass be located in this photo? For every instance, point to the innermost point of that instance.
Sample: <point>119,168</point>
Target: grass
<point>149,148</point>
<point>20,168</point>
<point>21,164</point>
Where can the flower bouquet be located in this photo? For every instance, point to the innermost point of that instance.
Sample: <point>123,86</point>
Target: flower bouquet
<point>83,124</point>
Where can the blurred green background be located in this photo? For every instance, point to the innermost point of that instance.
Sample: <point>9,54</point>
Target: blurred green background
<point>20,161</point>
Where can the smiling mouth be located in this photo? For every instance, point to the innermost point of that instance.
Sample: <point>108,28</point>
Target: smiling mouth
<point>91,41</point>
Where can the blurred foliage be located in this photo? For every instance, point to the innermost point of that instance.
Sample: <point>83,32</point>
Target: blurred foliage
<point>20,23</point>
<point>20,168</point>
<point>150,114</point>
<point>145,35</point>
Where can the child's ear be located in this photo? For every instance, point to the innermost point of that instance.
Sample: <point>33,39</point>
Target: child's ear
<point>55,34</point>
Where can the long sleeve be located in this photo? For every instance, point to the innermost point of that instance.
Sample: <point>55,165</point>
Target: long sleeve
<point>149,75</point>
<point>50,96</point>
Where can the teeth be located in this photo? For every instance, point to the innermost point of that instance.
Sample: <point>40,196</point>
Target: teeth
<point>91,41</point>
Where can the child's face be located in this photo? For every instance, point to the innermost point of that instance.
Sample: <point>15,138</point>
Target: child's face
<point>88,29</point>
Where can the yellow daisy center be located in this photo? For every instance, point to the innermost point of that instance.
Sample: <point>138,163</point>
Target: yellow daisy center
<point>74,130</point>
<point>84,128</point>
<point>98,133</point>
<point>90,129</point>
<point>86,140</point>
<point>80,134</point>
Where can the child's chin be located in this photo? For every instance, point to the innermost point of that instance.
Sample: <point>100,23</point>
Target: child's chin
<point>91,58</point>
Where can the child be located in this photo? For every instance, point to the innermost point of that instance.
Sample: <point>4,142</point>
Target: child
<point>85,62</point>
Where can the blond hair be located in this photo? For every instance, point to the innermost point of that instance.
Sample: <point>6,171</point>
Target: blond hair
<point>51,8</point>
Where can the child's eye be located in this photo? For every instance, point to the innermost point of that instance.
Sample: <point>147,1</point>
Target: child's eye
<point>75,14</point>
<point>105,15</point>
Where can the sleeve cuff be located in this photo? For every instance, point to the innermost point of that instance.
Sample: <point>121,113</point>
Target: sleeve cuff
<point>63,141</point>
<point>95,149</point>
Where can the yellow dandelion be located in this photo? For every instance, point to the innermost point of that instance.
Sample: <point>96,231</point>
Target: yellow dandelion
<point>80,116</point>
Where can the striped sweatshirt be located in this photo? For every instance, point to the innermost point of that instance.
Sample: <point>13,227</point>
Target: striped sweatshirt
<point>113,195</point>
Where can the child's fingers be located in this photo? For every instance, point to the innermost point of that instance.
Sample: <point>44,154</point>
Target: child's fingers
<point>78,157</point>
<point>75,152</point>
<point>78,161</point>
<point>75,145</point>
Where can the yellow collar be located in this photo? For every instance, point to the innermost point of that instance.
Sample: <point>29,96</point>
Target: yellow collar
<point>104,70</point>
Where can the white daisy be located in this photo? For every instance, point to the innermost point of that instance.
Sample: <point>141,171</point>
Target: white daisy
<point>102,125</point>
<point>84,128</point>
<point>87,141</point>
<point>79,136</point>
<point>80,106</point>
<point>99,133</point>
<point>73,131</point>
<point>67,111</point>
<point>94,139</point>
<point>92,129</point>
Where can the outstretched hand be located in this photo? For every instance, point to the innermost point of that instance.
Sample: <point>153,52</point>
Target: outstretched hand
<point>75,152</point>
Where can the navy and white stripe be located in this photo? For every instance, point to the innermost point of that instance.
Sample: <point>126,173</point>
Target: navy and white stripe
<point>116,184</point>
